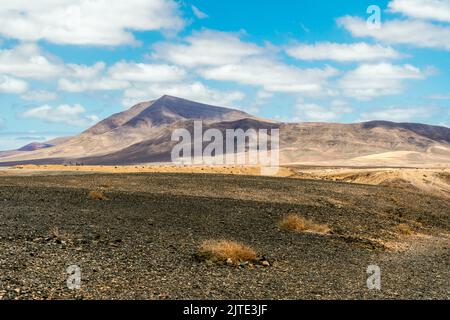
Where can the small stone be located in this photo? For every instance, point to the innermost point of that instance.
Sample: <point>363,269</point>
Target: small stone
<point>265,263</point>
<point>229,262</point>
<point>209,262</point>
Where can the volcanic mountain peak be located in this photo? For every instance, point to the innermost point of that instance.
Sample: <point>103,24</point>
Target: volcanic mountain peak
<point>142,134</point>
<point>163,111</point>
<point>168,109</point>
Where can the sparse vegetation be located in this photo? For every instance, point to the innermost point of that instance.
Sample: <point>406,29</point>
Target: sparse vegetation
<point>97,195</point>
<point>404,229</point>
<point>59,237</point>
<point>226,251</point>
<point>296,223</point>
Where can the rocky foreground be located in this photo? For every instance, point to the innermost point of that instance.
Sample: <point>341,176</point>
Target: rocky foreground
<point>141,240</point>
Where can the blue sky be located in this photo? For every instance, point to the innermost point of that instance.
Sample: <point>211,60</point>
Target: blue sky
<point>65,64</point>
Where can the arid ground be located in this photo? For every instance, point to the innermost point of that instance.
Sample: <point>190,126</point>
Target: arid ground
<point>142,240</point>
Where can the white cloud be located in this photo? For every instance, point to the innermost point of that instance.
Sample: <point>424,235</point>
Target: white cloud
<point>371,80</point>
<point>207,48</point>
<point>62,114</point>
<point>317,113</point>
<point>273,76</point>
<point>199,14</point>
<point>86,22</point>
<point>313,112</point>
<point>397,114</point>
<point>12,85</point>
<point>85,72</point>
<point>264,95</point>
<point>196,91</point>
<point>39,95</point>
<point>440,96</point>
<point>223,56</point>
<point>120,76</point>
<point>27,61</point>
<point>438,10</point>
<point>342,52</point>
<point>141,72</point>
<point>94,84</point>
<point>412,32</point>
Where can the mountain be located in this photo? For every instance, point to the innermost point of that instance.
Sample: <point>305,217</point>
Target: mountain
<point>33,146</point>
<point>142,134</point>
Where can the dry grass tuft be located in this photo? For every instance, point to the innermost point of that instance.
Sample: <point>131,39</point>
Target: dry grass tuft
<point>295,223</point>
<point>226,251</point>
<point>404,229</point>
<point>59,236</point>
<point>97,195</point>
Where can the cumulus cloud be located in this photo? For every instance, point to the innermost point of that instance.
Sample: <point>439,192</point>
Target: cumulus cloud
<point>224,56</point>
<point>438,10</point>
<point>120,76</point>
<point>62,114</point>
<point>440,96</point>
<point>273,76</point>
<point>28,61</point>
<point>86,22</point>
<point>12,85</point>
<point>141,72</point>
<point>412,32</point>
<point>371,80</point>
<point>317,113</point>
<point>199,14</point>
<point>342,52</point>
<point>207,48</point>
<point>94,84</point>
<point>39,95</point>
<point>196,91</point>
<point>85,72</point>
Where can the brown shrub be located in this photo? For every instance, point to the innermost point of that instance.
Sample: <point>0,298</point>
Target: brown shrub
<point>226,250</point>
<point>60,237</point>
<point>97,195</point>
<point>404,229</point>
<point>295,223</point>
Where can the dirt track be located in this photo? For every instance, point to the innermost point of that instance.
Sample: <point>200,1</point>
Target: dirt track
<point>141,243</point>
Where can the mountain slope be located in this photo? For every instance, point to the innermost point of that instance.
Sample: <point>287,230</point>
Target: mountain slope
<point>121,130</point>
<point>143,134</point>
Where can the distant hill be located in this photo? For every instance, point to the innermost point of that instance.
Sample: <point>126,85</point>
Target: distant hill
<point>142,134</point>
<point>33,146</point>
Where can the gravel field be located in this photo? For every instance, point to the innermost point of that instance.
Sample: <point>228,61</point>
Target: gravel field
<point>142,242</point>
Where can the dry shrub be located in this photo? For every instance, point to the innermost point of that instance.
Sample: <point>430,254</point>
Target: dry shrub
<point>404,229</point>
<point>295,223</point>
<point>226,250</point>
<point>97,195</point>
<point>60,237</point>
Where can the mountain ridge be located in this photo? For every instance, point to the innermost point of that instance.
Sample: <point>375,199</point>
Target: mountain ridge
<point>142,134</point>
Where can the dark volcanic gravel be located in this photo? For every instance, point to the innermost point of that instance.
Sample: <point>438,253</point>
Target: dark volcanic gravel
<point>141,243</point>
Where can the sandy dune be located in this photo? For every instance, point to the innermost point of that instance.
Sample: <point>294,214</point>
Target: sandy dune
<point>430,180</point>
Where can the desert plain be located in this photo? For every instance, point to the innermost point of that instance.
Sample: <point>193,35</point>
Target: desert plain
<point>140,237</point>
